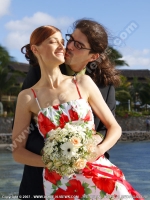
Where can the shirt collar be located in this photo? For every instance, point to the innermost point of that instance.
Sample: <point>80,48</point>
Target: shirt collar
<point>70,72</point>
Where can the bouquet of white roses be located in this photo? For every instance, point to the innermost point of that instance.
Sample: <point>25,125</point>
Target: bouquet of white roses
<point>67,150</point>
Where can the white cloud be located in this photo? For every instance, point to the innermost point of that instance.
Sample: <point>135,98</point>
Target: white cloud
<point>4,8</point>
<point>20,30</point>
<point>136,61</point>
<point>138,58</point>
<point>15,40</point>
<point>146,51</point>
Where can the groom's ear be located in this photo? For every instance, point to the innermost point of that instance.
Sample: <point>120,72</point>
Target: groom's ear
<point>94,56</point>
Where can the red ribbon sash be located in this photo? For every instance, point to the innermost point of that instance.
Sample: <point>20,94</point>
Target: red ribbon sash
<point>93,167</point>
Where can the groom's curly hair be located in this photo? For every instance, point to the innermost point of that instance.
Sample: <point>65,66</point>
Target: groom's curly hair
<point>102,70</point>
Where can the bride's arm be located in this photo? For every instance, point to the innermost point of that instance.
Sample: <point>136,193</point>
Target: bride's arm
<point>101,109</point>
<point>21,131</point>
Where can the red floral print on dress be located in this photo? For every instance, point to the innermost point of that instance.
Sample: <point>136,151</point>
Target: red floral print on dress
<point>45,124</point>
<point>88,116</point>
<point>52,176</point>
<point>73,114</point>
<point>75,188</point>
<point>63,120</point>
<point>105,184</point>
<point>56,107</point>
<point>62,194</point>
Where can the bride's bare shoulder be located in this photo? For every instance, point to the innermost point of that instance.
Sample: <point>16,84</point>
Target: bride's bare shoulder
<point>25,96</point>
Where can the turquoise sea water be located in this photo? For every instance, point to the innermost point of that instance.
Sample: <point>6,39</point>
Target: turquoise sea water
<point>131,157</point>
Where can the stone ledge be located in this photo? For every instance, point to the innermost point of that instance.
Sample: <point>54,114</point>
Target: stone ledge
<point>5,138</point>
<point>135,136</point>
<point>6,124</point>
<point>5,146</point>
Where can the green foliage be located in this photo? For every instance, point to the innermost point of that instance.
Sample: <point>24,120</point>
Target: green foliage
<point>6,81</point>
<point>116,57</point>
<point>125,84</point>
<point>146,112</point>
<point>123,93</point>
<point>126,113</point>
<point>9,106</point>
<point>139,91</point>
<point>122,96</point>
<point>5,58</point>
<point>135,92</point>
<point>8,78</point>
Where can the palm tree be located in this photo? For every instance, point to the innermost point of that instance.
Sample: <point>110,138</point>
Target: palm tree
<point>7,78</point>
<point>5,58</point>
<point>116,57</point>
<point>6,82</point>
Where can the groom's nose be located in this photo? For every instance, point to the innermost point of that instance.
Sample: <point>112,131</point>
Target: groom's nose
<point>70,45</point>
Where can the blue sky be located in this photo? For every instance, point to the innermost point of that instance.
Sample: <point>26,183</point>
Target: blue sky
<point>129,20</point>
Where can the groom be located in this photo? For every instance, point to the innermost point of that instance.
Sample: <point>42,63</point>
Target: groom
<point>75,62</point>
